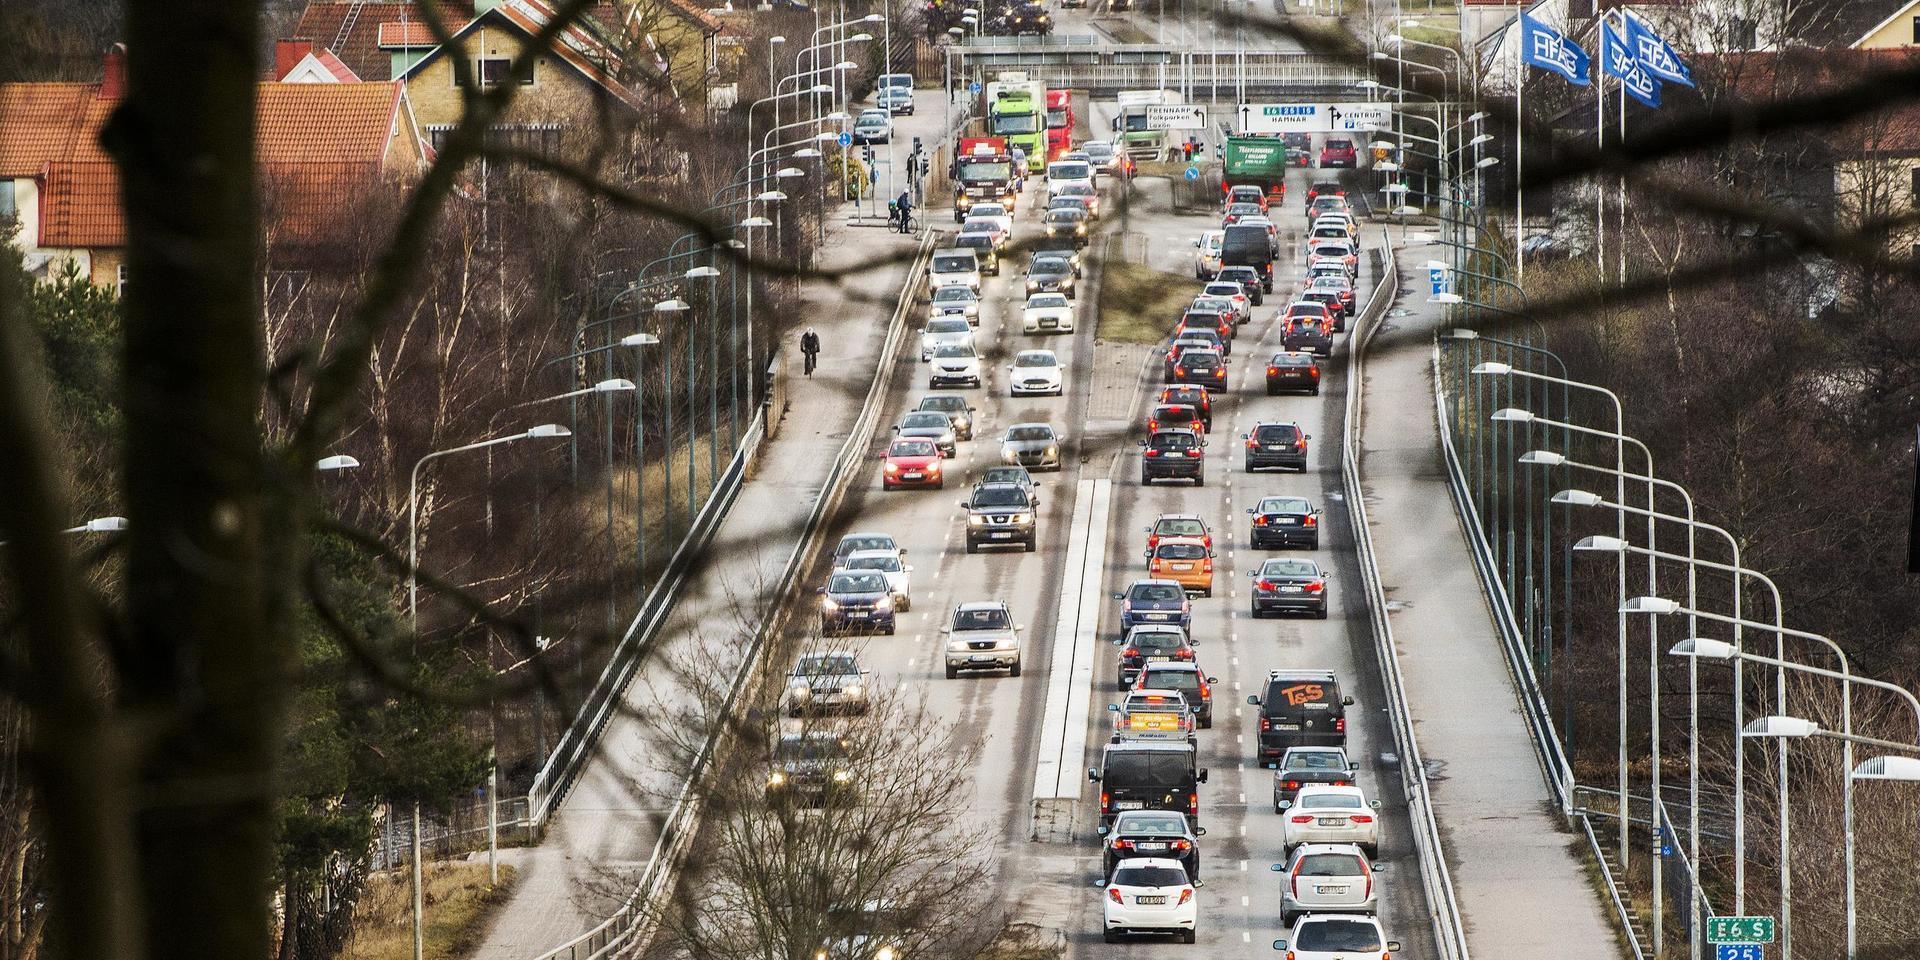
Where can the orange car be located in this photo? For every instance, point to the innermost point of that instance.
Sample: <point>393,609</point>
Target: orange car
<point>1184,560</point>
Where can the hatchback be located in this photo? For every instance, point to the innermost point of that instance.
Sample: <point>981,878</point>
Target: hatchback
<point>1276,445</point>
<point>1185,677</point>
<point>1192,396</point>
<point>1178,525</point>
<point>1175,415</point>
<point>1337,938</point>
<point>1323,878</point>
<point>912,462</point>
<point>1150,896</point>
<point>1154,601</point>
<point>1331,815</point>
<point>1293,370</point>
<point>1174,454</point>
<point>1185,561</point>
<point>1205,368</point>
<point>1338,152</point>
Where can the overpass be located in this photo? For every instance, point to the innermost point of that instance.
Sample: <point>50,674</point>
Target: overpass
<point>1101,67</point>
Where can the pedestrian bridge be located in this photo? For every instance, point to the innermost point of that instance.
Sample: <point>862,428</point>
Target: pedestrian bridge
<point>1102,67</point>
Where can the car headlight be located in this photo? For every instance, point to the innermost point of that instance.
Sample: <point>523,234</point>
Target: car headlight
<point>1023,518</point>
<point>776,779</point>
<point>957,646</point>
<point>852,690</point>
<point>976,519</point>
<point>828,604</point>
<point>884,603</point>
<point>947,437</point>
<point>1054,451</point>
<point>1080,228</point>
<point>842,776</point>
<point>893,468</point>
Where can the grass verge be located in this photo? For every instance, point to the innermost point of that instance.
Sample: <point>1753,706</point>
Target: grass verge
<point>458,903</point>
<point>1139,304</point>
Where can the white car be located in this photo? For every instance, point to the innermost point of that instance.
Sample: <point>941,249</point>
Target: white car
<point>955,363</point>
<point>1206,262</point>
<point>1150,895</point>
<point>1330,815</point>
<point>1000,213</point>
<point>873,126</point>
<point>1327,878</point>
<point>1242,305</point>
<point>944,332</point>
<point>1336,937</point>
<point>958,267</point>
<point>955,301</point>
<point>1061,173</point>
<point>1036,372</point>
<point>887,563</point>
<point>1047,311</point>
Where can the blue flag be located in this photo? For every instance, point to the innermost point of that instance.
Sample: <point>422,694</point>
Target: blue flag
<point>1654,53</point>
<point>1617,59</point>
<point>1544,47</point>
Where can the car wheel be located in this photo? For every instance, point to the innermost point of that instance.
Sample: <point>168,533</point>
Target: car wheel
<point>1206,721</point>
<point>1314,392</point>
<point>1320,614</point>
<point>1189,936</point>
<point>1287,917</point>
<point>1257,613</point>
<point>1015,670</point>
<point>1200,480</point>
<point>1207,592</point>
<point>1271,391</point>
<point>1029,545</point>
<point>1313,544</point>
<point>1249,465</point>
<point>940,484</point>
<point>1145,480</point>
<point>972,547</point>
<point>890,629</point>
<point>1113,936</point>
<point>953,672</point>
<point>1372,850</point>
<point>885,486</point>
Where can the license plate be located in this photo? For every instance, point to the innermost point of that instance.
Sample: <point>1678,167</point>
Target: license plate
<point>1150,901</point>
<point>1283,726</point>
<point>1129,805</point>
<point>1158,657</point>
<point>1330,890</point>
<point>1001,536</point>
<point>1289,589</point>
<point>858,614</point>
<point>1276,446</point>
<point>1287,520</point>
<point>1153,846</point>
<point>909,476</point>
<point>1180,566</point>
<point>1159,616</point>
<point>981,659</point>
<point>1333,821</point>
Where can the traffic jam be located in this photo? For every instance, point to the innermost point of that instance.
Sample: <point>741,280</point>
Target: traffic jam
<point>1230,397</point>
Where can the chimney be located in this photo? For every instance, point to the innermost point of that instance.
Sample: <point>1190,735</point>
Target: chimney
<point>113,75</point>
<point>287,54</point>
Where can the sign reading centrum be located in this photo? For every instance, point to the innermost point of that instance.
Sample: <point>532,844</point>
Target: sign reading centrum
<point>1313,117</point>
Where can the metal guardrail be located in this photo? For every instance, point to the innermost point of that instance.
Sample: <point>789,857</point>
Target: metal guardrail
<point>626,929</point>
<point>1449,932</point>
<point>1613,888</point>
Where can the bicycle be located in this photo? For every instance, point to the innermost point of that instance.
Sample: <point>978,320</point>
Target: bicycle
<point>893,222</point>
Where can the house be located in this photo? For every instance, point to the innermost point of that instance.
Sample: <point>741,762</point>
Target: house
<point>296,61</point>
<point>376,39</point>
<point>318,145</point>
<point>1899,28</point>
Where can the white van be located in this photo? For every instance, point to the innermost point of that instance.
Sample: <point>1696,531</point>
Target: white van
<point>956,267</point>
<point>1206,260</point>
<point>1063,172</point>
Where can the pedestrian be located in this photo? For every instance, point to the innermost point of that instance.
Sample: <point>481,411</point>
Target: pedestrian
<point>905,202</point>
<point>810,348</point>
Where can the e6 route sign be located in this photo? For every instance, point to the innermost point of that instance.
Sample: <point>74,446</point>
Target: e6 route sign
<point>1740,929</point>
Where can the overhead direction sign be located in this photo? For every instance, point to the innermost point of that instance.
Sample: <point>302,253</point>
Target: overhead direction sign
<point>1178,116</point>
<point>1314,117</point>
<point>1740,929</point>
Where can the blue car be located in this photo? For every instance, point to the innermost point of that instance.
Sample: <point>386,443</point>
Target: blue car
<point>856,600</point>
<point>1154,601</point>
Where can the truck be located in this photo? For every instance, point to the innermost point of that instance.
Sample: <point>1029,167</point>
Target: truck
<point>1256,161</point>
<point>1133,136</point>
<point>1059,123</point>
<point>1016,110</point>
<point>982,173</point>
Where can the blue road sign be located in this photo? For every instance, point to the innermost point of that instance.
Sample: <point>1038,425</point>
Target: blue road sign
<point>1193,173</point>
<point>973,87</point>
<point>1738,951</point>
<point>846,139</point>
<point>1437,277</point>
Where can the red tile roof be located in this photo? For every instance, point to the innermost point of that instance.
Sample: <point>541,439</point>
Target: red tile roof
<point>38,124</point>
<point>360,48</point>
<point>406,33</point>
<point>333,65</point>
<point>81,206</point>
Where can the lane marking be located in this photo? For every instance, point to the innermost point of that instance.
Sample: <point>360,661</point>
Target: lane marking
<point>1246,937</point>
<point>1243,865</point>
<point>1245,902</point>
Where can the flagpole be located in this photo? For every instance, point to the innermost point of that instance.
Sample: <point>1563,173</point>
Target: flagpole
<point>1600,192</point>
<point>1519,147</point>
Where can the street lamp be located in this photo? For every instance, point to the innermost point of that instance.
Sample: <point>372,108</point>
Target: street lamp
<point>100,525</point>
<point>335,463</point>
<point>541,432</point>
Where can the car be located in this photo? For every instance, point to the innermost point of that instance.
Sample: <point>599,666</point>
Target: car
<point>957,300</point>
<point>1153,833</point>
<point>1299,708</point>
<point>1326,269</point>
<point>873,126</point>
<point>1008,474</point>
<point>1327,204</point>
<point>855,600</point>
<point>984,247</point>
<point>1174,455</point>
<point>942,332</point>
<point>1289,585</point>
<point>1311,766</point>
<point>956,409</point>
<point>1148,775</point>
<point>991,226</point>
<point>1060,223</point>
<point>1152,715</point>
<point>1085,190</point>
<point>1185,561</point>
<point>1293,370</point>
<point>811,765</point>
<point>1245,193</point>
<point>1148,642</point>
<point>1249,280</point>
<point>1325,188</point>
<point>856,542</point>
<point>955,363</point>
<point>1330,298</point>
<point>1275,445</point>
<point>1281,522</point>
<point>1047,312</point>
<point>1338,152</point>
<point>1154,601</point>
<point>1103,156</point>
<point>1325,878</point>
<point>1335,226</point>
<point>1147,895</point>
<point>913,462</point>
<point>1235,293</point>
<point>1337,283</point>
<point>1273,230</point>
<point>1336,937</point>
<point>1184,340</point>
<point>1037,373</point>
<point>1331,815</point>
<point>1069,172</point>
<point>954,267</point>
<point>1035,446</point>
<point>887,563</point>
<point>1218,321</point>
<point>895,100</point>
<point>981,635</point>
<point>831,680</point>
<point>1175,415</point>
<point>1184,676</point>
<point>1051,274</point>
<point>1306,334</point>
<point>1071,202</point>
<point>1332,251</point>
<point>999,214</point>
<point>1179,525</point>
<point>930,425</point>
<point>1235,211</point>
<point>1191,395</point>
<point>1206,257</point>
<point>1065,251</point>
<point>1206,368</point>
<point>1001,514</point>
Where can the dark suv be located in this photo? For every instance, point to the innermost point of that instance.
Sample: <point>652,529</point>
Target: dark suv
<point>1282,586</point>
<point>1155,601</point>
<point>1147,643</point>
<point>1000,513</point>
<point>1281,522</point>
<point>1293,370</point>
<point>1308,334</point>
<point>1206,368</point>
<point>1174,455</point>
<point>1300,708</point>
<point>1249,280</point>
<point>1276,445</point>
<point>1148,775</point>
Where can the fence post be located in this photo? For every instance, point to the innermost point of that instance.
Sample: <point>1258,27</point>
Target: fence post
<point>493,820</point>
<point>419,932</point>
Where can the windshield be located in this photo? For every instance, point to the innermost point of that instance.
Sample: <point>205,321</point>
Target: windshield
<point>1337,935</point>
<point>1158,640</point>
<point>1137,122</point>
<point>1098,150</point>
<point>1049,265</point>
<point>1172,680</point>
<point>1289,568</point>
<point>986,170</point>
<point>1035,359</point>
<point>1175,413</point>
<point>1070,170</point>
<point>953,264</point>
<point>1242,209</point>
<point>1007,496</point>
<point>1209,304</point>
<point>1030,433</point>
<point>884,563</point>
<point>1063,215</point>
<point>872,117</point>
<point>897,80</point>
<point>1329,801</point>
<point>950,325</point>
<point>1151,823</point>
<point>1292,360</point>
<point>1182,551</point>
<point>852,544</point>
<point>954,295</point>
<point>954,350</point>
<point>1156,592</point>
<point>982,240</point>
<point>810,748</point>
<point>1143,768</point>
<point>912,448</point>
<point>1315,760</point>
<point>1180,528</point>
<point>1176,441</point>
<point>977,225</point>
<point>1228,290</point>
<point>1330,865</point>
<point>830,664</point>
<point>989,210</point>
<point>1056,118</point>
<point>1276,433</point>
<point>1284,505</point>
<point>927,419</point>
<point>984,618</point>
<point>856,583</point>
<point>1047,300</point>
<point>948,404</point>
<point>1007,475</point>
<point>1149,877</point>
<point>1005,123</point>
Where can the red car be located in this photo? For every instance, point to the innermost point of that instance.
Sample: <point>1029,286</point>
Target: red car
<point>1338,152</point>
<point>912,462</point>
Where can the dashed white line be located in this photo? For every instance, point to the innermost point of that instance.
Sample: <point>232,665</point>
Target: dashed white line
<point>1245,902</point>
<point>1246,937</point>
<point>1243,798</point>
<point>1243,829</point>
<point>1243,865</point>
<point>1240,738</point>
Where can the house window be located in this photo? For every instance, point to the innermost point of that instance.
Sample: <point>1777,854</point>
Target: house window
<point>1915,172</point>
<point>7,209</point>
<point>1916,29</point>
<point>492,71</point>
<point>120,280</point>
<point>1742,34</point>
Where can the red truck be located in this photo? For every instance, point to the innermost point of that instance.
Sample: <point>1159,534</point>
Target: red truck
<point>1059,123</point>
<point>982,173</point>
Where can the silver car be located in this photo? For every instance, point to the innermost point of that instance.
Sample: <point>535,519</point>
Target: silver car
<point>1327,878</point>
<point>949,331</point>
<point>1031,445</point>
<point>982,636</point>
<point>956,300</point>
<point>929,425</point>
<point>831,680</point>
<point>886,563</point>
<point>955,407</point>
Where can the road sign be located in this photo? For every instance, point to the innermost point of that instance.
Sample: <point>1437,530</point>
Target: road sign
<point>846,139</point>
<point>1179,116</point>
<point>1739,929</point>
<point>973,87</point>
<point>1314,117</point>
<point>1437,278</point>
<point>1738,951</point>
<point>1193,173</point>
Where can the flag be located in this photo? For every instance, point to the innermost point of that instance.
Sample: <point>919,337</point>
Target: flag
<point>1654,53</point>
<point>1617,59</point>
<point>1544,47</point>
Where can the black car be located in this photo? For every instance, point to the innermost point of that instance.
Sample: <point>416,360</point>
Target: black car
<point>1287,586</point>
<point>1248,279</point>
<point>1160,834</point>
<point>1308,335</point>
<point>856,600</point>
<point>1302,766</point>
<point>1185,678</point>
<point>982,246</point>
<point>1248,245</point>
<point>1000,514</point>
<point>1050,275</point>
<point>1276,445</point>
<point>1207,368</point>
<point>1193,396</point>
<point>1293,370</point>
<point>1148,775</point>
<point>1300,708</point>
<point>1149,642</point>
<point>1063,224</point>
<point>1336,307</point>
<point>1281,522</point>
<point>1065,252</point>
<point>954,405</point>
<point>809,767</point>
<point>1174,455</point>
<point>1180,344</point>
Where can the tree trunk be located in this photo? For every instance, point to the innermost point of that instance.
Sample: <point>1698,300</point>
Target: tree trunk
<point>290,915</point>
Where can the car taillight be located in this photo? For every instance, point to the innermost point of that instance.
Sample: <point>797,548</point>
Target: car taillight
<point>1194,453</point>
<point>1151,452</point>
<point>1340,725</point>
<point>1342,783</point>
<point>1131,652</point>
<point>1316,372</point>
<point>1113,893</point>
<point>1193,803</point>
<point>1302,819</point>
<point>1203,692</point>
<point>1185,895</point>
<point>1266,724</point>
<point>1123,844</point>
<point>1293,880</point>
<point>1206,566</point>
<point>1290,785</point>
<point>1219,371</point>
<point>1360,818</point>
<point>1265,585</point>
<point>1181,845</point>
<point>1271,371</point>
<point>1260,521</point>
<point>1299,444</point>
<point>1153,426</point>
<point>1310,521</point>
<point>1106,801</point>
<point>1316,586</point>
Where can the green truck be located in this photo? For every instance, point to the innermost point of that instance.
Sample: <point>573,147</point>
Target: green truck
<point>1017,110</point>
<point>1256,161</point>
